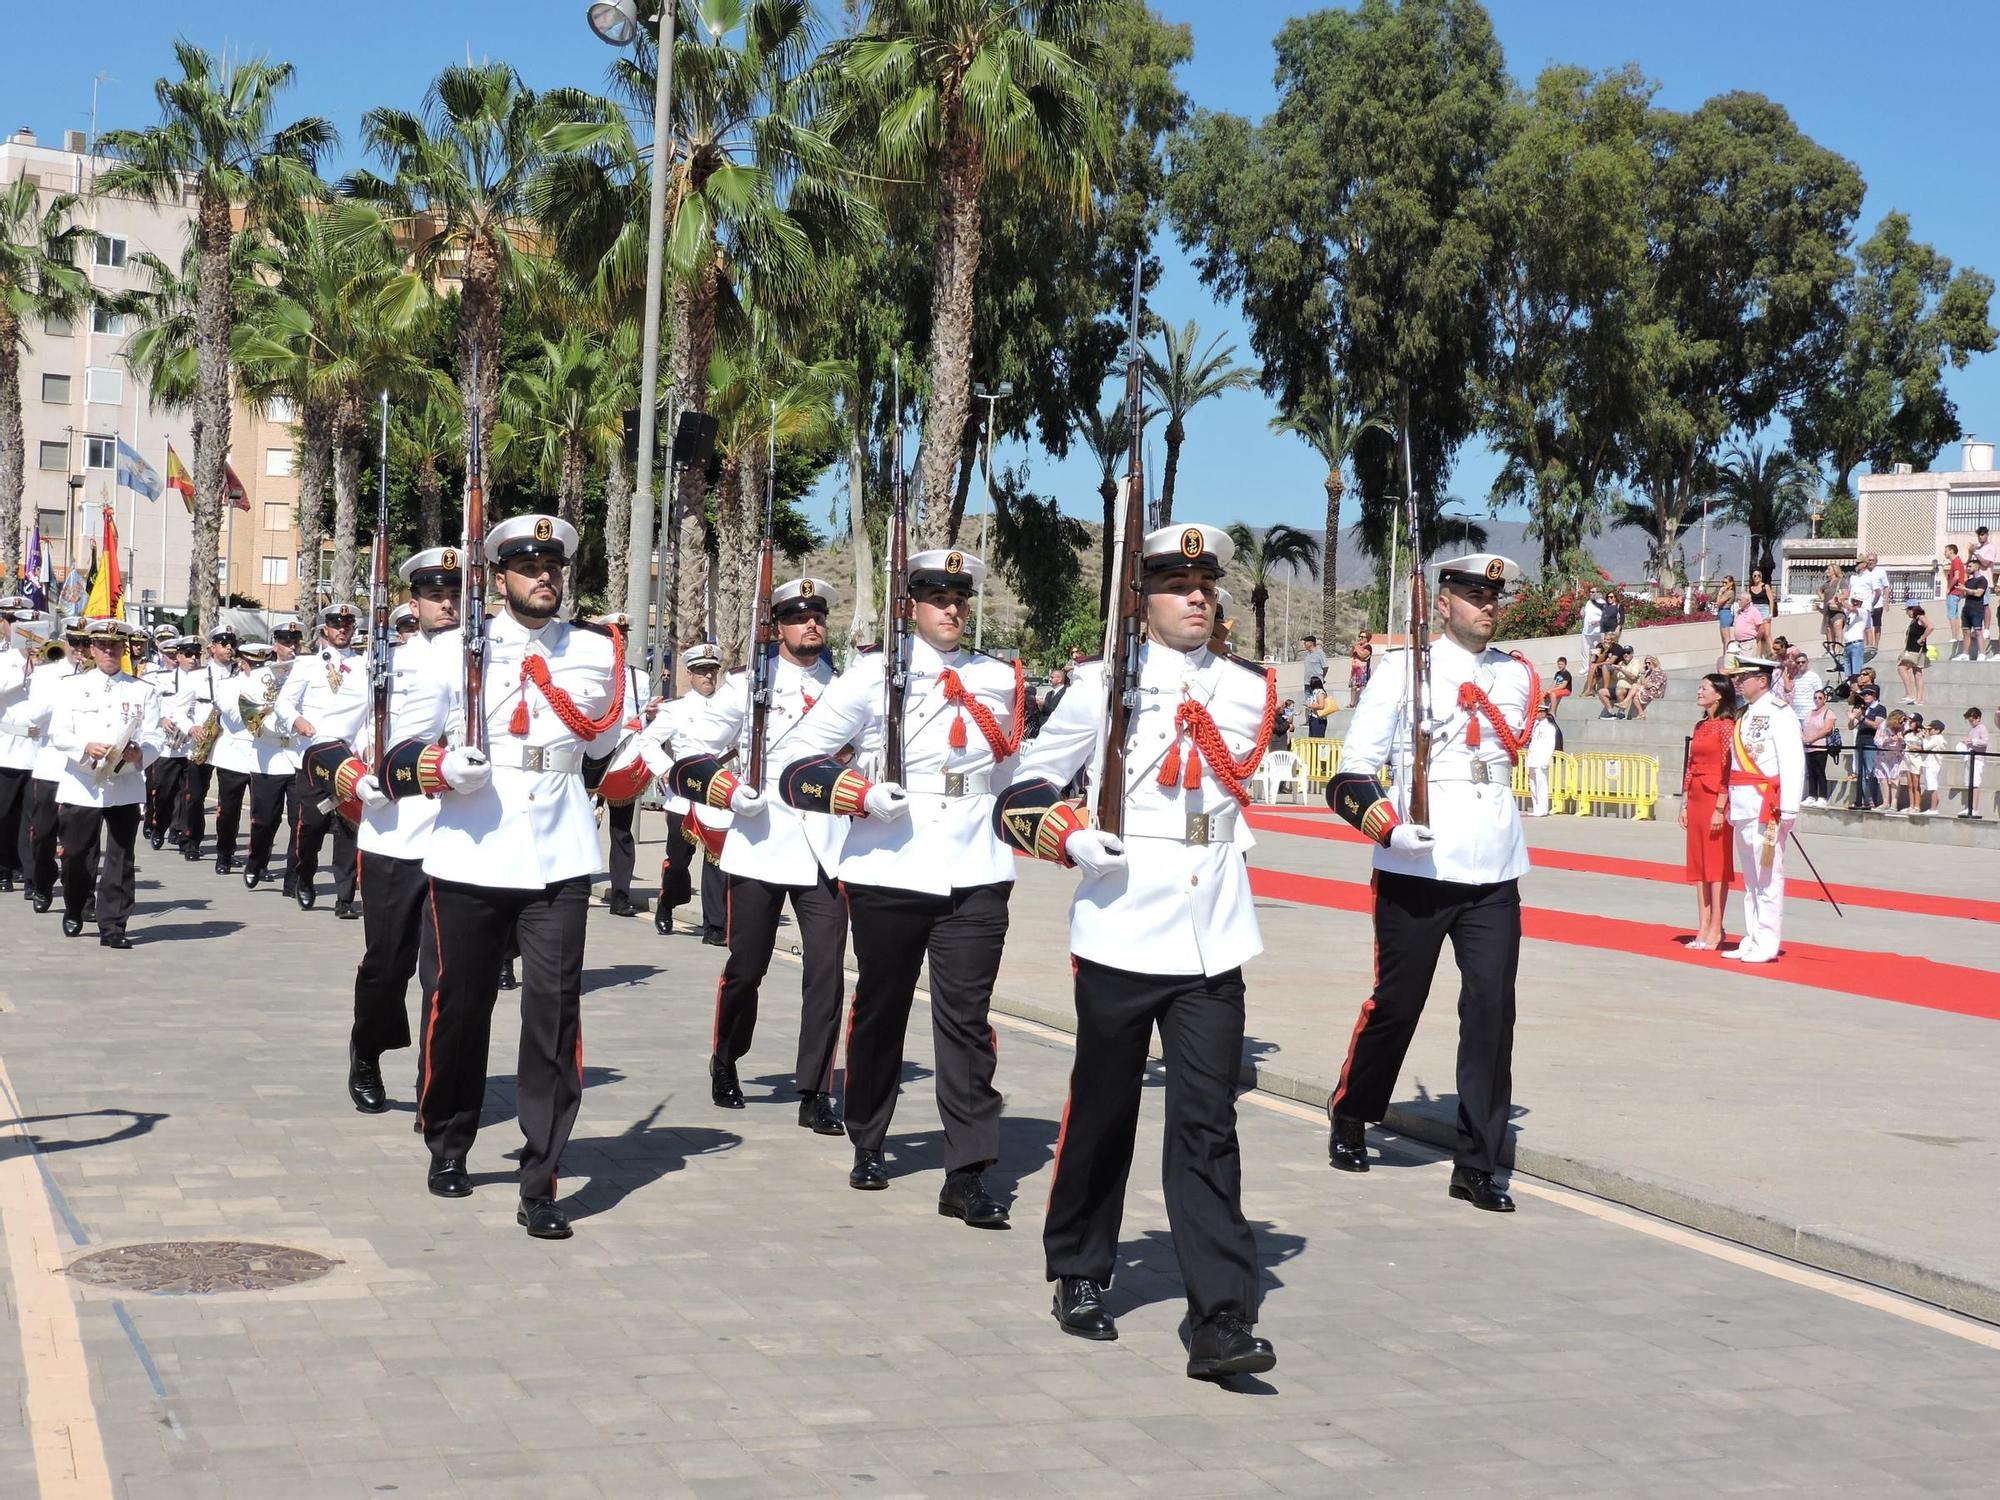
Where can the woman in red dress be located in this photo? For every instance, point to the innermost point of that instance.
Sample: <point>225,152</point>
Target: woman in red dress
<point>1704,798</point>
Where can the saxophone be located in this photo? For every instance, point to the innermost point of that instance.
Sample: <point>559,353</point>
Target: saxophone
<point>205,735</point>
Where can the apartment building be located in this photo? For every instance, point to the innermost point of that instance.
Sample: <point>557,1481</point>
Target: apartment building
<point>79,398</point>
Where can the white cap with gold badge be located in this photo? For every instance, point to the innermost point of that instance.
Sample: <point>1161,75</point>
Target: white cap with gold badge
<point>802,594</point>
<point>531,536</point>
<point>947,568</point>
<point>1480,570</point>
<point>433,565</point>
<point>701,654</point>
<point>1195,546</point>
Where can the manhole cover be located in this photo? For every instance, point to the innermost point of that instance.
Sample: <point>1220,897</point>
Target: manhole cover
<point>200,1266</point>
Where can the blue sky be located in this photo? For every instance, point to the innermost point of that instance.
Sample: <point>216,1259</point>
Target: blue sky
<point>1836,66</point>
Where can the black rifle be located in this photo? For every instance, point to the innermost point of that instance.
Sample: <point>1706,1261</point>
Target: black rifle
<point>378,599</point>
<point>473,615</point>
<point>897,645</point>
<point>764,634</point>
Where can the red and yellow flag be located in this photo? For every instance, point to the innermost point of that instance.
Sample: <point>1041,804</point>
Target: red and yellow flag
<point>178,478</point>
<point>107,585</point>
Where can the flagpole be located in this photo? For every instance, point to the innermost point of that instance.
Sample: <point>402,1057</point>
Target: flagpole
<point>166,467</point>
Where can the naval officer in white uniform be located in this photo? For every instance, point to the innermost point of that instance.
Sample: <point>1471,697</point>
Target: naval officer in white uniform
<point>326,702</point>
<point>106,728</point>
<point>1767,768</point>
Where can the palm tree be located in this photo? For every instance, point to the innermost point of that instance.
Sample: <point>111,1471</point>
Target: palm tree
<point>458,188</point>
<point>424,438</point>
<point>216,135</point>
<point>1182,381</point>
<point>1108,436</point>
<point>1769,494</point>
<point>563,407</point>
<point>1333,429</point>
<point>1261,553</point>
<point>39,280</point>
<point>947,92</point>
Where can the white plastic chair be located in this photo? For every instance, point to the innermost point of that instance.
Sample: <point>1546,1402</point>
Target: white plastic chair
<point>1279,769</point>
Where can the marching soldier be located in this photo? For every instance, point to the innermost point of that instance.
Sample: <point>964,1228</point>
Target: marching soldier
<point>17,751</point>
<point>685,831</point>
<point>403,623</point>
<point>48,690</point>
<point>169,771</point>
<point>1767,767</point>
<point>1457,877</point>
<point>619,817</point>
<point>205,694</point>
<point>325,701</point>
<point>1160,928</point>
<point>515,843</point>
<point>923,873</point>
<point>396,825</point>
<point>106,728</point>
<point>775,854</point>
<point>158,673</point>
<point>235,758</point>
<point>276,753</point>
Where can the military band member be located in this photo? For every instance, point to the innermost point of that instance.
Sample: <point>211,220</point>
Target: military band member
<point>17,751</point>
<point>49,689</point>
<point>106,728</point>
<point>619,816</point>
<point>396,824</point>
<point>687,841</point>
<point>276,749</point>
<point>325,701</point>
<point>235,759</point>
<point>924,874</point>
<point>170,771</point>
<point>775,854</point>
<point>1457,877</point>
<point>205,693</point>
<point>515,842</point>
<point>160,673</point>
<point>1160,928</point>
<point>1767,767</point>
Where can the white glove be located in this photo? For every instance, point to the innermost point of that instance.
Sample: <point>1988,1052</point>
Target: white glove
<point>886,801</point>
<point>1093,852</point>
<point>1412,838</point>
<point>746,802</point>
<point>370,794</point>
<point>466,770</point>
<point>653,755</point>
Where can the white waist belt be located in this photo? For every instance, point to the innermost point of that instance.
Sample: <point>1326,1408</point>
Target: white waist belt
<point>1479,773</point>
<point>1218,827</point>
<point>564,759</point>
<point>950,783</point>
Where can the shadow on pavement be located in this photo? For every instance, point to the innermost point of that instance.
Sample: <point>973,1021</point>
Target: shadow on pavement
<point>142,1123</point>
<point>1027,1143</point>
<point>180,932</point>
<point>154,908</point>
<point>500,1107</point>
<point>1147,1270</point>
<point>612,976</point>
<point>638,1156</point>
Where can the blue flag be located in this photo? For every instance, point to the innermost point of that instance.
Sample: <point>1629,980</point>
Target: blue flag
<point>135,474</point>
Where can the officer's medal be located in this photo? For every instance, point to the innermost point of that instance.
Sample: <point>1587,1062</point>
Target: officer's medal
<point>332,674</point>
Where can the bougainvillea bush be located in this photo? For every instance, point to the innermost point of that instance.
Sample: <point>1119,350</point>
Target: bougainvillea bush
<point>1554,606</point>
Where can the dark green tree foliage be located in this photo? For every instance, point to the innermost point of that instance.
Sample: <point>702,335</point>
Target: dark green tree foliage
<point>1903,316</point>
<point>1036,545</point>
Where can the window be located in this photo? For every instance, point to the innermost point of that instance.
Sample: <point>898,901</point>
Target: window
<point>278,461</point>
<point>103,386</point>
<point>55,389</point>
<point>281,411</point>
<point>277,570</point>
<point>53,524</point>
<point>54,456</point>
<point>58,328</point>
<point>100,453</point>
<point>104,320</point>
<point>277,516</point>
<point>108,250</point>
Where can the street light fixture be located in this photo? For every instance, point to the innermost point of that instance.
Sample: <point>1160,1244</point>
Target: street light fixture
<point>617,23</point>
<point>992,398</point>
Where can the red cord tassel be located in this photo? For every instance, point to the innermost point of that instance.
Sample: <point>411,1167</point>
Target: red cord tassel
<point>518,724</point>
<point>1192,778</point>
<point>1170,768</point>
<point>957,736</point>
<point>1468,699</point>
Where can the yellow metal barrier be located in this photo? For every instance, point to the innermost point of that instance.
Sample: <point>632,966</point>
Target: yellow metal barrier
<point>1562,784</point>
<point>1320,758</point>
<point>1606,779</point>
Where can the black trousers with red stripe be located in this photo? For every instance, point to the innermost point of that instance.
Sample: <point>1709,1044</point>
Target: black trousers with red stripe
<point>40,828</point>
<point>754,908</point>
<point>267,815</point>
<point>624,847</point>
<point>13,812</point>
<point>549,925</point>
<point>164,779</point>
<point>676,887</point>
<point>191,815</point>
<point>393,919</point>
<point>1200,1018</point>
<point>231,787</point>
<point>962,935</point>
<point>1413,917</point>
<point>309,830</point>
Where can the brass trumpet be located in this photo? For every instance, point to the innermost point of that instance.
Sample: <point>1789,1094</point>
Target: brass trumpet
<point>257,713</point>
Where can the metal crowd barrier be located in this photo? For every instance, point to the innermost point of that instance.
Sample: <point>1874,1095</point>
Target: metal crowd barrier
<point>1616,779</point>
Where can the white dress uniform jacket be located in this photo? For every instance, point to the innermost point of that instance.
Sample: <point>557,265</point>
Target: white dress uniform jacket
<point>171,683</point>
<point>17,751</point>
<point>785,846</point>
<point>95,710</point>
<point>420,699</point>
<point>1478,827</point>
<point>206,685</point>
<point>329,690</point>
<point>236,747</point>
<point>48,690</point>
<point>945,842</point>
<point>276,750</point>
<point>670,728</point>
<point>527,828</point>
<point>1176,907</point>
<point>1769,731</point>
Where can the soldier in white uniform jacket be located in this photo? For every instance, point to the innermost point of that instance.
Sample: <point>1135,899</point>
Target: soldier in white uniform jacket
<point>49,687</point>
<point>17,751</point>
<point>1767,768</point>
<point>170,771</point>
<point>686,832</point>
<point>326,702</point>
<point>923,872</point>
<point>240,754</point>
<point>106,728</point>
<point>1160,928</point>
<point>1456,877</point>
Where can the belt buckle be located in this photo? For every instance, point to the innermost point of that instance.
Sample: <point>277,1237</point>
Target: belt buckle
<point>1198,828</point>
<point>534,758</point>
<point>1482,774</point>
<point>954,783</point>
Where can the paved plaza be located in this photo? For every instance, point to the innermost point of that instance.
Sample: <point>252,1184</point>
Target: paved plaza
<point>732,1321</point>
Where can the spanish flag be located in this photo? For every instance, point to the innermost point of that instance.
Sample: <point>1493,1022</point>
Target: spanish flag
<point>107,585</point>
<point>178,478</point>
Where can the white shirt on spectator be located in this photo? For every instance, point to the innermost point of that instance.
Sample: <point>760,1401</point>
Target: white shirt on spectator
<point>1803,687</point>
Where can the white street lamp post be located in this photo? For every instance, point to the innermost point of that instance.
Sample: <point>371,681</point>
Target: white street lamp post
<point>992,398</point>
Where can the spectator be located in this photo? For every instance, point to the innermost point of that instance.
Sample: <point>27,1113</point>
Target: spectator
<point>1832,605</point>
<point>1870,587</point>
<point>1314,660</point>
<point>1725,616</point>
<point>1750,633</point>
<point>1933,768</point>
<point>1281,730</point>
<point>1560,685</point>
<point>1916,654</point>
<point>1954,596</point>
<point>1704,795</point>
<point>1978,588</point>
<point>1611,619</point>
<point>1865,717</point>
<point>1820,730</point>
<point>1621,684</point>
<point>1889,746</point>
<point>1652,687</point>
<point>1360,664</point>
<point>1318,706</point>
<point>1540,756</point>
<point>1592,626</point>
<point>1766,601</point>
<point>1854,634</point>
<point>1058,685</point>
<point>1799,681</point>
<point>1973,745</point>
<point>1599,668</point>
<point>1984,550</point>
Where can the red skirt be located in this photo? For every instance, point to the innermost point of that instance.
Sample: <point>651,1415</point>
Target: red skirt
<point>1711,854</point>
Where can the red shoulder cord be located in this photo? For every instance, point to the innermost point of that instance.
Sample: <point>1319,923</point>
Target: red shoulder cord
<point>1194,721</point>
<point>535,669</point>
<point>998,741</point>
<point>1475,702</point>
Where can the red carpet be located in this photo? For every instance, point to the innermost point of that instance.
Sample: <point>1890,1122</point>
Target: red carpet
<point>1895,977</point>
<point>1799,883</point>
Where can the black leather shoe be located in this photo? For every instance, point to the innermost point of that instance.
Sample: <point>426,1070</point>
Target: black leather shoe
<point>965,1197</point>
<point>1347,1146</point>
<point>449,1178</point>
<point>191,853</point>
<point>289,890</point>
<point>1080,1309</point>
<point>6,881</point>
<point>714,940</point>
<point>44,900</point>
<point>113,940</point>
<point>305,895</point>
<point>1225,1346</point>
<point>663,920</point>
<point>1476,1187</point>
<point>251,877</point>
<point>817,1114</point>
<point>621,905</point>
<point>869,1174</point>
<point>224,865</point>
<point>364,1082</point>
<point>157,840</point>
<point>347,911</point>
<point>90,911</point>
<point>542,1219</point>
<point>507,979</point>
<point>72,926</point>
<point>723,1088</point>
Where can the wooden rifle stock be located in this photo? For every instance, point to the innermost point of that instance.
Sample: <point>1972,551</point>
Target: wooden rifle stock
<point>473,616</point>
<point>1419,805</point>
<point>378,600</point>
<point>1124,631</point>
<point>764,635</point>
<point>896,670</point>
